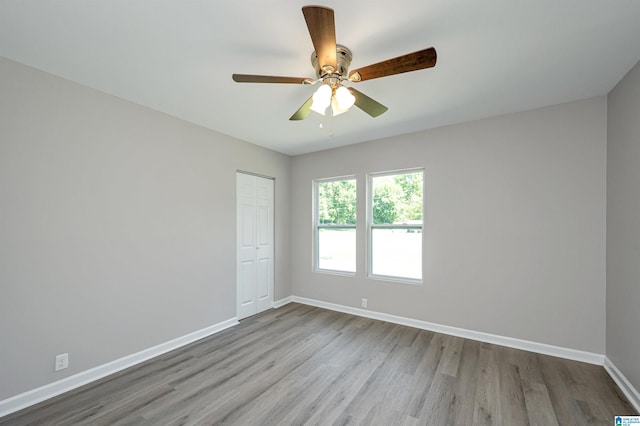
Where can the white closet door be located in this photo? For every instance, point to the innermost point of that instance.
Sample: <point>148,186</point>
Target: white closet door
<point>254,244</point>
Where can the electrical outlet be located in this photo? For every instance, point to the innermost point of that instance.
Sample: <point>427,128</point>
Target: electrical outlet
<point>62,361</point>
<point>364,302</point>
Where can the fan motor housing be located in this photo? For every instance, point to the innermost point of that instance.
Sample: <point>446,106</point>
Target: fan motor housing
<point>343,60</point>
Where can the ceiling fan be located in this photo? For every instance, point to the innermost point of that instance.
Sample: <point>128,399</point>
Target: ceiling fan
<point>331,62</point>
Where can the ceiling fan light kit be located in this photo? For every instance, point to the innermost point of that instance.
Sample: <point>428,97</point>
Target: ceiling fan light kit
<point>331,62</point>
<point>335,95</point>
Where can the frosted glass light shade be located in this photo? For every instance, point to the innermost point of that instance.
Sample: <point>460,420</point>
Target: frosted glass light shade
<point>335,108</point>
<point>321,99</point>
<point>345,98</point>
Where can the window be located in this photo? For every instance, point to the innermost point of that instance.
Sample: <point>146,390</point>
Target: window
<point>336,225</point>
<point>395,225</point>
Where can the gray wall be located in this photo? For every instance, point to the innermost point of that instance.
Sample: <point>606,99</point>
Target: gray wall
<point>514,225</point>
<point>623,226</point>
<point>117,226</point>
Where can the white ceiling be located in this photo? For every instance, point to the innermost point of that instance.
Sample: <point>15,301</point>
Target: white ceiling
<point>177,56</point>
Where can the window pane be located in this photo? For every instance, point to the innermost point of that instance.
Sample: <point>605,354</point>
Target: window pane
<point>337,202</point>
<point>396,253</point>
<point>337,249</point>
<point>336,206</point>
<point>397,199</point>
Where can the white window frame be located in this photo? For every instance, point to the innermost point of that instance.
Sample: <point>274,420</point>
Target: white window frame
<point>317,226</point>
<point>371,226</point>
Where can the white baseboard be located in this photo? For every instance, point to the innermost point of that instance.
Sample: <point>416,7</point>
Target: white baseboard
<point>34,396</point>
<point>628,389</point>
<point>541,348</point>
<point>280,303</point>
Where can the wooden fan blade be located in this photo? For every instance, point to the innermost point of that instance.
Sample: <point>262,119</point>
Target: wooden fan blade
<point>322,29</point>
<point>303,111</point>
<point>368,105</point>
<point>411,62</point>
<point>250,78</point>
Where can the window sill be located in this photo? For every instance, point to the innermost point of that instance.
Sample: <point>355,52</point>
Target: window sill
<point>395,280</point>
<point>332,272</point>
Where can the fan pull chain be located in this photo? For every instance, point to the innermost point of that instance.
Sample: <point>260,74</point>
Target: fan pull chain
<point>321,124</point>
<point>331,125</point>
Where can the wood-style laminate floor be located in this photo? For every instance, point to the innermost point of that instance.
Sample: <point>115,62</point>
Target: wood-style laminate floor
<point>303,365</point>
